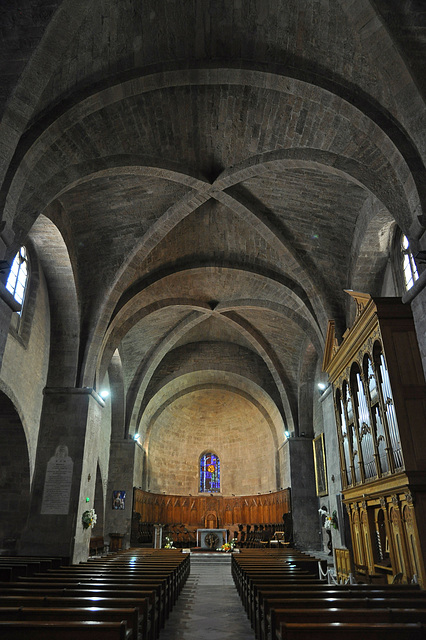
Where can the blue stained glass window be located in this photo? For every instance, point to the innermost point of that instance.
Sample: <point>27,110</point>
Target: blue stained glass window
<point>209,473</point>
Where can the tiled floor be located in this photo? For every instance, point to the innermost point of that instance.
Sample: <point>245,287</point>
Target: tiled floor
<point>209,606</point>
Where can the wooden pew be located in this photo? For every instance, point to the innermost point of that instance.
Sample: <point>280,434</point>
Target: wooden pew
<point>35,563</point>
<point>274,607</point>
<point>99,614</point>
<point>263,594</point>
<point>176,572</point>
<point>266,598</point>
<point>177,569</point>
<point>252,580</point>
<point>251,588</point>
<point>113,594</point>
<point>171,581</point>
<point>352,631</point>
<point>173,577</point>
<point>292,616</point>
<point>158,577</point>
<point>68,579</point>
<point>142,605</point>
<point>157,584</point>
<point>52,630</point>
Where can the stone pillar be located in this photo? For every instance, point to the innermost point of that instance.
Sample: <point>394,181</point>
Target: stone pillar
<point>8,305</point>
<point>65,474</point>
<point>122,463</point>
<point>304,503</point>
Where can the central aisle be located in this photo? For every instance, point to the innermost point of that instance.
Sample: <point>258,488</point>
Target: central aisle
<point>209,605</point>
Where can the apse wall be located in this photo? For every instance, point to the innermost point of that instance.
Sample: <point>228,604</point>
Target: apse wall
<point>217,420</point>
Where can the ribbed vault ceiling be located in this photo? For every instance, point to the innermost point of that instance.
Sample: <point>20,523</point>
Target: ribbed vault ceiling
<point>213,168</point>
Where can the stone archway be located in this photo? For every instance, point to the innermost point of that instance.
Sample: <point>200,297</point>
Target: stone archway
<point>14,475</point>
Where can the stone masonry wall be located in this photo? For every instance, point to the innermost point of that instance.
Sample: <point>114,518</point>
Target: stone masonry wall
<point>218,421</point>
<point>24,369</point>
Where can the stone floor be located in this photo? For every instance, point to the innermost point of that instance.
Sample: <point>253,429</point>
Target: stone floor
<point>208,606</point>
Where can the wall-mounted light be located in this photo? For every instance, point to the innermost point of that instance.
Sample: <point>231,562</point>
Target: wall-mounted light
<point>287,434</point>
<point>136,436</point>
<point>322,386</point>
<point>104,393</point>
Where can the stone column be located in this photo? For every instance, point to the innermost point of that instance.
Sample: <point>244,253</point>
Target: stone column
<point>123,476</point>
<point>65,474</point>
<point>304,502</point>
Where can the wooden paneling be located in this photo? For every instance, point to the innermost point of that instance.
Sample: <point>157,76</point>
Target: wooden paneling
<point>231,511</point>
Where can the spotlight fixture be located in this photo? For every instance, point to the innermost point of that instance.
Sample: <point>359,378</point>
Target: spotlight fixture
<point>322,386</point>
<point>136,436</point>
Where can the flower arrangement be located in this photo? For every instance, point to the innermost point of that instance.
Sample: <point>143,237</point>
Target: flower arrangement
<point>89,518</point>
<point>330,522</point>
<point>229,546</point>
<point>169,543</point>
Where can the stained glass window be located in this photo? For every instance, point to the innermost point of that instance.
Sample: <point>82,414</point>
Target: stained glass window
<point>209,473</point>
<point>18,276</point>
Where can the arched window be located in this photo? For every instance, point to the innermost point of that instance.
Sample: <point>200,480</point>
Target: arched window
<point>18,277</point>
<point>408,264</point>
<point>209,473</point>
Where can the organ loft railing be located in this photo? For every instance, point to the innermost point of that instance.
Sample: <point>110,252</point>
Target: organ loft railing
<point>379,397</point>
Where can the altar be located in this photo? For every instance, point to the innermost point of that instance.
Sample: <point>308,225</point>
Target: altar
<point>211,538</point>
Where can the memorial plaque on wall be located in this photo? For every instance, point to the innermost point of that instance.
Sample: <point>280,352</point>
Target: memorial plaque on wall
<point>57,483</point>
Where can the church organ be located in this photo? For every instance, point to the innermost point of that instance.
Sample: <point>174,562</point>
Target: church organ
<point>379,396</point>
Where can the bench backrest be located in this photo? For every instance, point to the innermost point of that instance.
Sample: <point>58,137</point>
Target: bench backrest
<point>352,631</point>
<point>26,630</point>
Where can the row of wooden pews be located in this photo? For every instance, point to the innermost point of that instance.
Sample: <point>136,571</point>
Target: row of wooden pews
<point>125,596</point>
<point>11,567</point>
<point>285,600</point>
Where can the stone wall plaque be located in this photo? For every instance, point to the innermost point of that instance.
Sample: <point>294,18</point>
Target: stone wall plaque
<point>57,483</point>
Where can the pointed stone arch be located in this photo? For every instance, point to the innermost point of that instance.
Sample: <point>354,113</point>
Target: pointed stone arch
<point>14,475</point>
